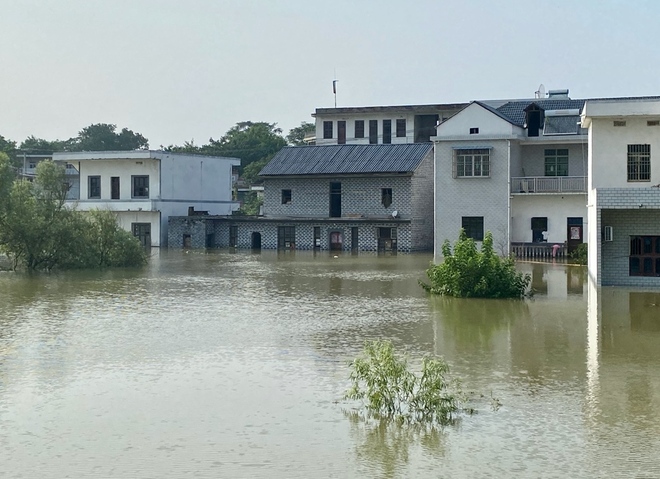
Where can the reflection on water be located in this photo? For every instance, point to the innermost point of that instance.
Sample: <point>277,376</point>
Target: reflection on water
<point>232,364</point>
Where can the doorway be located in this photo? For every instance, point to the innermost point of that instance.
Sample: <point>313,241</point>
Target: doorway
<point>335,199</point>
<point>336,241</point>
<point>256,241</point>
<point>574,234</point>
<point>142,231</point>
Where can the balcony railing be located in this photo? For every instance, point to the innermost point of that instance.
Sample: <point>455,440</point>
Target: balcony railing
<point>549,184</point>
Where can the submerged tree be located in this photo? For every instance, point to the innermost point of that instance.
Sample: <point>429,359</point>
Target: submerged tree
<point>389,389</point>
<point>468,272</point>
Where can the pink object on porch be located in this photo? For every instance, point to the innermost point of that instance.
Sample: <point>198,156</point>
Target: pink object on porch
<point>555,248</point>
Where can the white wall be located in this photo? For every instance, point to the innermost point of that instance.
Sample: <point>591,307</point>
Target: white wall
<point>556,208</point>
<point>476,116</point>
<point>127,218</point>
<point>458,197</point>
<point>609,150</point>
<point>124,169</point>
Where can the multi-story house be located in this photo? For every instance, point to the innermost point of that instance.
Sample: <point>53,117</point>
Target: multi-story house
<point>515,168</point>
<point>334,197</point>
<point>381,124</point>
<point>28,170</point>
<point>146,187</point>
<point>624,190</point>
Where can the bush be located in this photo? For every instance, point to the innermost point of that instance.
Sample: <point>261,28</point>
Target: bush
<point>467,272</point>
<point>38,231</point>
<point>390,390</point>
<point>580,254</point>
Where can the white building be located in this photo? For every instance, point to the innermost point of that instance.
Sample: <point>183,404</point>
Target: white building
<point>381,124</point>
<point>624,190</point>
<point>146,187</point>
<point>517,169</point>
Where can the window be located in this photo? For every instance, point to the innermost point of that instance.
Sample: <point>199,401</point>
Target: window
<point>639,162</point>
<point>644,257</point>
<point>401,128</point>
<point>474,131</point>
<point>286,237</point>
<point>373,132</point>
<point>474,227</point>
<point>556,162</point>
<point>619,123</point>
<point>359,128</point>
<point>341,132</point>
<point>387,131</point>
<point>94,187</point>
<point>114,188</point>
<point>327,129</point>
<point>469,163</point>
<point>653,123</point>
<point>140,186</point>
<point>386,197</point>
<point>286,197</point>
<point>539,227</point>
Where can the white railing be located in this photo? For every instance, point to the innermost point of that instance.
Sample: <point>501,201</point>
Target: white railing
<point>549,184</point>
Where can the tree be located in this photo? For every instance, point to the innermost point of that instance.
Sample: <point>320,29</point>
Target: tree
<point>33,144</point>
<point>248,141</point>
<point>102,137</point>
<point>39,232</point>
<point>390,390</point>
<point>297,135</point>
<point>467,272</point>
<point>7,146</point>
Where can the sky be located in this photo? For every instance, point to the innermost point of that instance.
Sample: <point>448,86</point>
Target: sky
<point>179,71</point>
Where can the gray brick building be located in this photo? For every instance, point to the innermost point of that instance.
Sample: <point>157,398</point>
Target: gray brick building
<point>336,197</point>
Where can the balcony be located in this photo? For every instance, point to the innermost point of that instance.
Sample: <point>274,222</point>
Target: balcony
<point>548,184</point>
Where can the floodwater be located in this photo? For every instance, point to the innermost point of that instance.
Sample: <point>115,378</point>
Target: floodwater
<point>234,365</point>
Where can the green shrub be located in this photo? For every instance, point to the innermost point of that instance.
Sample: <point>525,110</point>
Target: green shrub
<point>467,272</point>
<point>580,254</point>
<point>390,390</point>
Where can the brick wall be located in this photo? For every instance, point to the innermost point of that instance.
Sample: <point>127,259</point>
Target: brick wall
<point>421,186</point>
<point>620,209</point>
<point>310,197</point>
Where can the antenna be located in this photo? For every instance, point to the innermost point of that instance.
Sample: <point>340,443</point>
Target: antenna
<point>540,93</point>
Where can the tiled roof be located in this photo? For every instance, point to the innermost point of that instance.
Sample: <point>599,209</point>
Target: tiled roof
<point>515,110</point>
<point>346,159</point>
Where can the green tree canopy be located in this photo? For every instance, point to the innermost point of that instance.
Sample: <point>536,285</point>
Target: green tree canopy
<point>7,146</point>
<point>34,144</point>
<point>467,272</point>
<point>297,135</point>
<point>39,232</point>
<point>103,137</point>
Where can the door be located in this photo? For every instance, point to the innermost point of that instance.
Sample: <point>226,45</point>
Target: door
<point>354,239</point>
<point>335,199</point>
<point>341,132</point>
<point>114,187</point>
<point>142,231</point>
<point>336,241</point>
<point>574,233</point>
<point>256,240</point>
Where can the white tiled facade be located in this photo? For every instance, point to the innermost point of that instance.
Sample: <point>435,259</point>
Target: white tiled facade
<point>628,207</point>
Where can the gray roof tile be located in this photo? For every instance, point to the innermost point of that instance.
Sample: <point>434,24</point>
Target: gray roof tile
<point>346,159</point>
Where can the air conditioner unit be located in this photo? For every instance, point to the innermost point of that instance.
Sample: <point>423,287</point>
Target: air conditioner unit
<point>608,233</point>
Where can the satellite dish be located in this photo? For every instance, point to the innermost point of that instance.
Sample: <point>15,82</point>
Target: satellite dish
<point>395,214</point>
<point>540,93</point>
